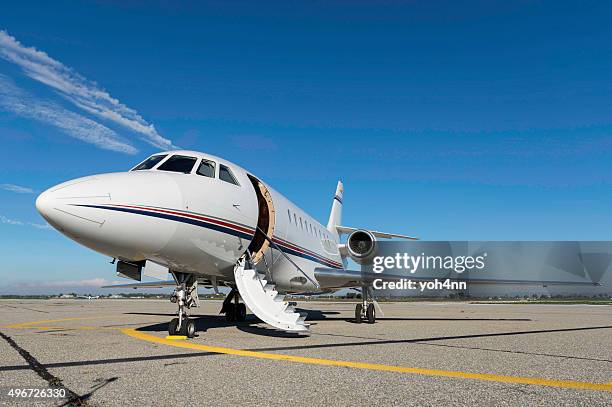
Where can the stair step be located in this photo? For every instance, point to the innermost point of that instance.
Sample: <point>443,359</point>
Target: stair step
<point>265,302</point>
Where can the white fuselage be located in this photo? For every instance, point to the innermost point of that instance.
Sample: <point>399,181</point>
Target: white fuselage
<point>189,222</point>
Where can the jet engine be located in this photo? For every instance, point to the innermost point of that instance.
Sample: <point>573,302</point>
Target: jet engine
<point>361,245</point>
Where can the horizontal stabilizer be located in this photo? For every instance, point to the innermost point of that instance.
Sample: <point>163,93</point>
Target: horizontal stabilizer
<point>347,230</point>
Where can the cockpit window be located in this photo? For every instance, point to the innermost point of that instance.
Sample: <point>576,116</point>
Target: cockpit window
<point>225,174</point>
<point>149,162</point>
<point>207,169</point>
<point>178,163</point>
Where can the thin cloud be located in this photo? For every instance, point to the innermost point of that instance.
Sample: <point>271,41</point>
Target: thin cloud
<point>15,222</point>
<point>7,221</point>
<point>77,89</point>
<point>18,189</point>
<point>41,226</point>
<point>21,103</point>
<point>37,286</point>
<point>89,283</point>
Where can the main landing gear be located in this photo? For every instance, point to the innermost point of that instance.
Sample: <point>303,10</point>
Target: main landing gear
<point>235,311</point>
<point>365,310</point>
<point>185,296</point>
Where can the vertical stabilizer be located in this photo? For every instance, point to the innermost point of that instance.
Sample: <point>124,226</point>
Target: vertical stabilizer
<point>335,217</point>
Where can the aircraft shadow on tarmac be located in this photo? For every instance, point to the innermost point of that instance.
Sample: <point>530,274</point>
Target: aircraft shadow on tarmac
<point>316,315</point>
<point>206,322</point>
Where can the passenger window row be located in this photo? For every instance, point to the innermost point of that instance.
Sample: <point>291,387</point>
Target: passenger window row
<point>185,164</point>
<point>305,225</point>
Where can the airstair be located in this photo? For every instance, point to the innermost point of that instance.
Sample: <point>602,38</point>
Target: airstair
<point>265,302</point>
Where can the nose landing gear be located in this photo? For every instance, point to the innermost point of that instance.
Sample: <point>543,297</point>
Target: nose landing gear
<point>185,296</point>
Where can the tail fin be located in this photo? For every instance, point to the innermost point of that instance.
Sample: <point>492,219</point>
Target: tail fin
<point>335,216</point>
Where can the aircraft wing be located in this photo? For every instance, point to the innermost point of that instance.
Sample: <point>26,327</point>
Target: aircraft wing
<point>149,284</point>
<point>161,284</point>
<point>346,230</point>
<point>334,278</point>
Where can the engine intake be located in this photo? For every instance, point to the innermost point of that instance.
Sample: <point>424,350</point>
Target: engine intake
<point>361,246</point>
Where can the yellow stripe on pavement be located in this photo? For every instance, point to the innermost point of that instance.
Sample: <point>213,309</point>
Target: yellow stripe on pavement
<point>34,324</point>
<point>567,384</point>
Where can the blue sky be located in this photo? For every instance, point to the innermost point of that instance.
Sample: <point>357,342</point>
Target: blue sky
<point>471,121</point>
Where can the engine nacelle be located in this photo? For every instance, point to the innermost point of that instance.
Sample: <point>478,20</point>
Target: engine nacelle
<point>361,245</point>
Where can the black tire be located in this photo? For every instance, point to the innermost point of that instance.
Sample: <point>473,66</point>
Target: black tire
<point>230,313</point>
<point>190,328</point>
<point>172,327</point>
<point>358,309</point>
<point>371,314</point>
<point>183,330</point>
<point>241,312</point>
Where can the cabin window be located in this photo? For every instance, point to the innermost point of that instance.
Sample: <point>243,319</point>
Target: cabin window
<point>207,169</point>
<point>149,162</point>
<point>225,174</point>
<point>289,214</point>
<point>301,224</point>
<point>294,219</point>
<point>178,163</point>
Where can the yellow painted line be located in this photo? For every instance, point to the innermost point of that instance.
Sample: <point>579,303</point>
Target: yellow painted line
<point>568,384</point>
<point>175,337</point>
<point>49,321</point>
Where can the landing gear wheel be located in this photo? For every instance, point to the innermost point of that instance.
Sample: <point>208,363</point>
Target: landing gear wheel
<point>172,326</point>
<point>190,328</point>
<point>241,312</point>
<point>230,313</point>
<point>185,296</point>
<point>371,314</point>
<point>358,309</point>
<point>183,330</point>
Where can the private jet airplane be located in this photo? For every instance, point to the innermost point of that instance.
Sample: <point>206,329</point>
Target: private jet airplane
<point>208,222</point>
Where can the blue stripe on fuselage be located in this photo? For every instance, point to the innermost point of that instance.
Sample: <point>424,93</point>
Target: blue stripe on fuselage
<point>207,225</point>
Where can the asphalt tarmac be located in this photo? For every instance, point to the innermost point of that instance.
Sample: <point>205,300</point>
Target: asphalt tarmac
<point>115,352</point>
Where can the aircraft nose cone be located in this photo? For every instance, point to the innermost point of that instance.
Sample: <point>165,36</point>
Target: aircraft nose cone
<point>44,203</point>
<point>55,204</point>
<point>85,210</point>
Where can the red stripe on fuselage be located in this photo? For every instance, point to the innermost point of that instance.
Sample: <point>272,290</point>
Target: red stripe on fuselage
<point>235,227</point>
<point>190,215</point>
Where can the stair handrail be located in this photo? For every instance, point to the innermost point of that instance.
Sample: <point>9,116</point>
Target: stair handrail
<point>247,259</point>
<point>277,247</point>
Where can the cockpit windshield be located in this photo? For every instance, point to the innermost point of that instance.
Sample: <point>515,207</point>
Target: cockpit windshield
<point>178,163</point>
<point>149,162</point>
